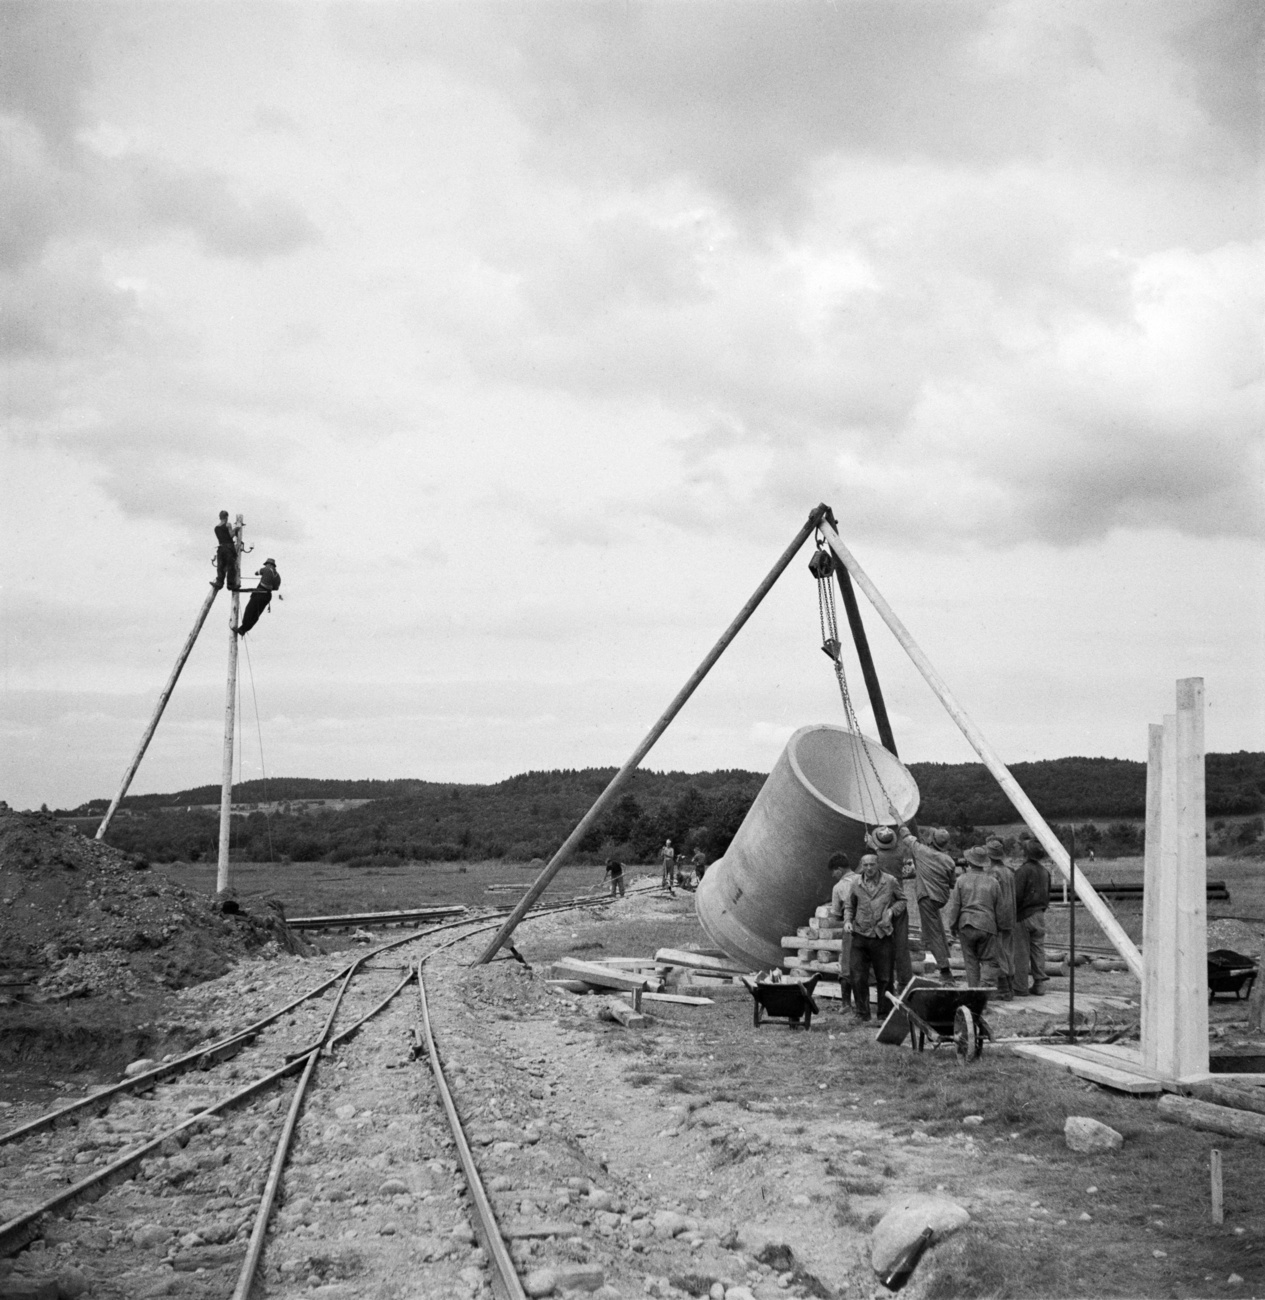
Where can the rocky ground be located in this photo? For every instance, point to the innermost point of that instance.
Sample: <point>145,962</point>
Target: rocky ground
<point>692,1156</point>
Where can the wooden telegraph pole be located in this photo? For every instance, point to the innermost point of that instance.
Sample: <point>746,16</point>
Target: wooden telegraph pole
<point>230,713</point>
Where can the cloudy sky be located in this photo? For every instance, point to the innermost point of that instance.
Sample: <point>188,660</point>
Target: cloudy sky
<point>526,335</point>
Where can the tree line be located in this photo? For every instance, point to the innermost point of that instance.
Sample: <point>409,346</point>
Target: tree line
<point>529,815</point>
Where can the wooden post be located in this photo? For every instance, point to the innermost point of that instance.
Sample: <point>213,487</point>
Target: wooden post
<point>591,817</point>
<point>1094,905</point>
<point>1191,929</point>
<point>1071,943</point>
<point>1158,901</point>
<point>158,712</point>
<point>230,713</point>
<point>1218,1208</point>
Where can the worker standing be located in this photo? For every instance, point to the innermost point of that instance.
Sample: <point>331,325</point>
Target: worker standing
<point>225,555</point>
<point>699,862</point>
<point>668,855</point>
<point>1005,878</point>
<point>971,915</point>
<point>1032,898</point>
<point>933,881</point>
<point>892,858</point>
<point>615,874</point>
<point>840,869</point>
<point>269,581</point>
<point>871,907</point>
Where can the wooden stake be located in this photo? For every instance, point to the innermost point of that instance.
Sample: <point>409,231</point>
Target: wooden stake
<point>158,712</point>
<point>230,714</point>
<point>1218,1210</point>
<point>591,817</point>
<point>1094,905</point>
<point>1191,921</point>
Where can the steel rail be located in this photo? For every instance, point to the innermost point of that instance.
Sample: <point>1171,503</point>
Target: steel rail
<point>489,1230</point>
<point>202,1057</point>
<point>25,1227</point>
<point>17,1232</point>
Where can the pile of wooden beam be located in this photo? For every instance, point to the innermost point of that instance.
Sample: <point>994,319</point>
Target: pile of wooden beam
<point>683,976</point>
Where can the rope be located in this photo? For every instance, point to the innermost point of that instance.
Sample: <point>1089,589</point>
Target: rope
<point>259,731</point>
<point>862,759</point>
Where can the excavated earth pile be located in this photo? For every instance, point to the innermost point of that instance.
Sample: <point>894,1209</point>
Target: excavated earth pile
<point>87,931</point>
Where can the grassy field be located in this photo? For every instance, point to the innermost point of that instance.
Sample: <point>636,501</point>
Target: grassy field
<point>327,888</point>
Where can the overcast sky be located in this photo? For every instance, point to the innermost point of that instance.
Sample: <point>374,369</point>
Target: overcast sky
<point>525,336</point>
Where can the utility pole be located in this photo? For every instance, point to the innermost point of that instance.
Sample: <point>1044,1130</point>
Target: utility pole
<point>230,712</point>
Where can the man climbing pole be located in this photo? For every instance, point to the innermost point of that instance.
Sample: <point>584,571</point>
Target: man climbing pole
<point>269,581</point>
<point>225,555</point>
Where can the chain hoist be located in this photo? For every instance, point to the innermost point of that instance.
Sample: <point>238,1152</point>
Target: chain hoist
<point>822,567</point>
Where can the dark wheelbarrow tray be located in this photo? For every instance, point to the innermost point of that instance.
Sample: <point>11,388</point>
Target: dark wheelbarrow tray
<point>1231,972</point>
<point>928,1009</point>
<point>790,1000</point>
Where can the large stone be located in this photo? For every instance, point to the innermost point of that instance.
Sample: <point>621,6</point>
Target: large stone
<point>71,1282</point>
<point>139,1067</point>
<point>667,1223</point>
<point>152,1234</point>
<point>540,1282</point>
<point>579,1277</point>
<point>1084,1134</point>
<point>906,1220</point>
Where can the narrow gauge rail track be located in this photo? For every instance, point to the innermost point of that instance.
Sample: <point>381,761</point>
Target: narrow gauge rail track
<point>202,1164</point>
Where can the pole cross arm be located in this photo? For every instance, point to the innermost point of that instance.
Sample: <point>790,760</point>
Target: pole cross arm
<point>1094,903</point>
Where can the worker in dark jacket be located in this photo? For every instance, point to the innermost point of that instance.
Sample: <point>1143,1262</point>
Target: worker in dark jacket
<point>971,915</point>
<point>1032,897</point>
<point>933,879</point>
<point>269,581</point>
<point>225,555</point>
<point>869,914</point>
<point>1000,871</point>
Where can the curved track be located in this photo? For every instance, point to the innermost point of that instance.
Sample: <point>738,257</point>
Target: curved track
<point>209,1141</point>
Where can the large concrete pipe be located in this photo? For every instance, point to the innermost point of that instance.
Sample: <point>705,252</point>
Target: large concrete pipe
<point>827,787</point>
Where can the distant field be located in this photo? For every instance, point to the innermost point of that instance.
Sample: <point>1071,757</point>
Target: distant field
<point>326,888</point>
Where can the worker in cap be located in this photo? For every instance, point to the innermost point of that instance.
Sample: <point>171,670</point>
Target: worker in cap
<point>261,597</point>
<point>941,839</point>
<point>1032,897</point>
<point>841,872</point>
<point>933,881</point>
<point>893,860</point>
<point>225,555</point>
<point>1005,878</point>
<point>971,915</point>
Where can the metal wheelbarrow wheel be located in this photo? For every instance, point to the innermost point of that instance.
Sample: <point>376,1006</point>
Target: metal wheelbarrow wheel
<point>968,1040</point>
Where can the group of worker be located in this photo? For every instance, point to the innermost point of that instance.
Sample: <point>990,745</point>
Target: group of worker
<point>227,571</point>
<point>995,911</point>
<point>678,868</point>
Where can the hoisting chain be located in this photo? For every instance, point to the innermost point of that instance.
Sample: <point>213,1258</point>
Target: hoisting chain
<point>822,567</point>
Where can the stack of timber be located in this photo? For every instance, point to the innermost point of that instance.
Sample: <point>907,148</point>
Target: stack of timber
<point>816,946</point>
<point>407,916</point>
<point>684,976</point>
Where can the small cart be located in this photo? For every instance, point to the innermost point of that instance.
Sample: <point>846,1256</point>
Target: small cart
<point>927,1009</point>
<point>1231,972</point>
<point>789,999</point>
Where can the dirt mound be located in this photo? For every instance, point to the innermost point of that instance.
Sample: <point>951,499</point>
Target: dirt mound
<point>81,918</point>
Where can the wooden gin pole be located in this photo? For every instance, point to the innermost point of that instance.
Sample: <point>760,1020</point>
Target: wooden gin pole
<point>230,711</point>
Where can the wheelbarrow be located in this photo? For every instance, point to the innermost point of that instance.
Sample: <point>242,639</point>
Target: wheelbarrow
<point>926,1009</point>
<point>1231,972</point>
<point>790,1000</point>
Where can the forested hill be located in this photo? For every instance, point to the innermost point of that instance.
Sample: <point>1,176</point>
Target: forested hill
<point>529,815</point>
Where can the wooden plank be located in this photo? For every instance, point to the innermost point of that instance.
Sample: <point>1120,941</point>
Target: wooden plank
<point>568,968</point>
<point>698,961</point>
<point>1108,1076</point>
<point>681,998</point>
<point>823,945</point>
<point>619,1011</point>
<point>1211,1118</point>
